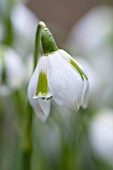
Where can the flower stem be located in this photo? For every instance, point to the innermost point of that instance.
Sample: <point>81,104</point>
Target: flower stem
<point>27,141</point>
<point>41,25</point>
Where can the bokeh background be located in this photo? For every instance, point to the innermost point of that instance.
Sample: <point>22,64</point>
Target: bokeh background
<point>67,141</point>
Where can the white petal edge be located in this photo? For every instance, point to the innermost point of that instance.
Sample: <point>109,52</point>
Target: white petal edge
<point>85,97</point>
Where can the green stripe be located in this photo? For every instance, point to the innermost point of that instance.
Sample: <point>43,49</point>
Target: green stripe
<point>75,65</point>
<point>42,84</point>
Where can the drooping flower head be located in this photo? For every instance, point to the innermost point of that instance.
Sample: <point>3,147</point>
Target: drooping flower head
<point>57,77</point>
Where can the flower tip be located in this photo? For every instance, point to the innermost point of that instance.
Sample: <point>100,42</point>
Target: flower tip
<point>42,116</point>
<point>42,24</point>
<point>35,97</point>
<point>85,76</point>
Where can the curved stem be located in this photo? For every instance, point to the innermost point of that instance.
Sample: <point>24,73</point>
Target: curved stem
<point>41,25</point>
<point>27,141</point>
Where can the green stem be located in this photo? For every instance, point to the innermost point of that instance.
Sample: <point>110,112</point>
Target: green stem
<point>41,25</point>
<point>27,141</point>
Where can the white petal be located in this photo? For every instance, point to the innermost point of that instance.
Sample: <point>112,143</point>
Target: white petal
<point>68,58</point>
<point>65,83</point>
<point>65,55</point>
<point>85,97</point>
<point>85,94</point>
<point>41,107</point>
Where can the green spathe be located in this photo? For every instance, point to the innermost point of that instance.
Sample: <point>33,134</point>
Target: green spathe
<point>42,84</point>
<point>48,42</point>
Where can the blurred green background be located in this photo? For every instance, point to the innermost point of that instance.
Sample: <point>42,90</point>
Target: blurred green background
<point>67,141</point>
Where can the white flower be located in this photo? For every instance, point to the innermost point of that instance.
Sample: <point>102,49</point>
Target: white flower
<point>101,134</point>
<point>92,30</point>
<point>12,65</point>
<point>24,24</point>
<point>56,76</point>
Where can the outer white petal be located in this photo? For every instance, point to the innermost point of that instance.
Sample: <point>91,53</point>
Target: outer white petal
<point>65,83</point>
<point>65,55</point>
<point>85,96</point>
<point>41,107</point>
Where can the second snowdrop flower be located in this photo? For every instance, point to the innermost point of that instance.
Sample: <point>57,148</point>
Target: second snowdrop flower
<point>57,76</point>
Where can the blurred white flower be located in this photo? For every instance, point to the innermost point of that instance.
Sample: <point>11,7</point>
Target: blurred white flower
<point>60,77</point>
<point>101,134</point>
<point>92,30</point>
<point>12,67</point>
<point>100,80</point>
<point>24,24</point>
<point>29,66</point>
<point>91,37</point>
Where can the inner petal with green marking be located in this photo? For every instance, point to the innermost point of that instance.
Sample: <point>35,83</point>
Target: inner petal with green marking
<point>74,64</point>
<point>42,84</point>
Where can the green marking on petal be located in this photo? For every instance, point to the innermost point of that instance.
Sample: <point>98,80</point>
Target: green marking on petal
<point>42,84</point>
<point>74,64</point>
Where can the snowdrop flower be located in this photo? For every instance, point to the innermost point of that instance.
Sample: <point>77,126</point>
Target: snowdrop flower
<point>11,70</point>
<point>57,76</point>
<point>24,25</point>
<point>92,30</point>
<point>101,134</point>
